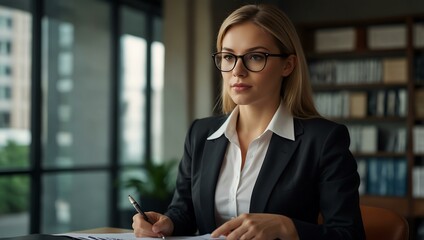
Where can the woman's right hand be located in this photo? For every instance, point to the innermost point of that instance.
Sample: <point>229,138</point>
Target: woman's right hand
<point>160,225</point>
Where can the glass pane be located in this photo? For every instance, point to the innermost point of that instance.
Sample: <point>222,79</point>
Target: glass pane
<point>158,64</point>
<point>126,210</point>
<point>15,108</point>
<point>76,82</point>
<point>14,205</point>
<point>75,201</point>
<point>132,101</point>
<point>15,87</point>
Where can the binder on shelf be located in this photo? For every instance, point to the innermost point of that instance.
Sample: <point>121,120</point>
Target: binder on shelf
<point>419,69</point>
<point>373,176</point>
<point>401,141</point>
<point>402,103</point>
<point>392,139</point>
<point>400,183</point>
<point>418,181</point>
<point>418,35</point>
<point>358,104</point>
<point>391,103</point>
<point>395,70</point>
<point>418,136</point>
<point>362,171</point>
<point>335,39</point>
<point>372,103</point>
<point>386,36</point>
<point>419,103</point>
<point>381,103</point>
<point>369,139</point>
<point>355,138</point>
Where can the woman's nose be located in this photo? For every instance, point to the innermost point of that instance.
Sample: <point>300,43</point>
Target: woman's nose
<point>239,69</point>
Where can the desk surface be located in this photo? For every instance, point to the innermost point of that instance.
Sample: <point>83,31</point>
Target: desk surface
<point>105,230</point>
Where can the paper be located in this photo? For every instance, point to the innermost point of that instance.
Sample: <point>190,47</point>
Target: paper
<point>128,236</point>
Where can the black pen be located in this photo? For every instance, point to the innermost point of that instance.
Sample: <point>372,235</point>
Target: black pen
<point>138,209</point>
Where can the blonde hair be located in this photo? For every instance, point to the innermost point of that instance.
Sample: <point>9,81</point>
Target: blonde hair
<point>296,91</point>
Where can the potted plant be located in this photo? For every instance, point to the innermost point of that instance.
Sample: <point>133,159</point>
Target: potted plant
<point>156,189</point>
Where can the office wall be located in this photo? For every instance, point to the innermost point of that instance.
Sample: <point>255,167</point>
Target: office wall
<point>188,79</point>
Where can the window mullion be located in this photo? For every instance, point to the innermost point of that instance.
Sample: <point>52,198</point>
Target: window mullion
<point>36,118</point>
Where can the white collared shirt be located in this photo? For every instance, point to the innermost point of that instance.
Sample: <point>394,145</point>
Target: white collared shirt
<point>234,188</point>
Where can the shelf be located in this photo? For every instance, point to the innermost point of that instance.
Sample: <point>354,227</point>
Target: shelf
<point>379,154</point>
<point>371,119</point>
<point>361,86</point>
<point>397,204</point>
<point>418,207</point>
<point>359,53</point>
<point>341,90</point>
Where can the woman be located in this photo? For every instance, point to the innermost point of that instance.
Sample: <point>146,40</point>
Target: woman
<point>269,166</point>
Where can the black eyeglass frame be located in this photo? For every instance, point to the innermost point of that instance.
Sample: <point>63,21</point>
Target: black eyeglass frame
<point>281,55</point>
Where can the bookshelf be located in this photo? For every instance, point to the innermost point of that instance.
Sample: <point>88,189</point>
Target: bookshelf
<point>369,75</point>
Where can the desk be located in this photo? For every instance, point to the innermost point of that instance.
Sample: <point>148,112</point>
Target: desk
<point>105,230</point>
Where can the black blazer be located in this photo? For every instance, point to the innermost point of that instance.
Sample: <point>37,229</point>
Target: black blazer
<point>314,174</point>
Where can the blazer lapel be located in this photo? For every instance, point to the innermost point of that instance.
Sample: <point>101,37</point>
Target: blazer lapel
<point>279,154</point>
<point>213,156</point>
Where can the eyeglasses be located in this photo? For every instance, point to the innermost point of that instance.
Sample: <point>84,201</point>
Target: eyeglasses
<point>253,61</point>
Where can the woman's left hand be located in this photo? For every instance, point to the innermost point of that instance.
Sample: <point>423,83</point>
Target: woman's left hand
<point>258,226</point>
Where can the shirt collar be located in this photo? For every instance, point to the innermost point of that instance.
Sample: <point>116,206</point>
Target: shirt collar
<point>281,124</point>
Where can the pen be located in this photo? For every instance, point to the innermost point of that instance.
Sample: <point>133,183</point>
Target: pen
<point>138,209</point>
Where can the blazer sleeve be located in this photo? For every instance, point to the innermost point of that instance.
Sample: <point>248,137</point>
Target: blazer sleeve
<point>338,192</point>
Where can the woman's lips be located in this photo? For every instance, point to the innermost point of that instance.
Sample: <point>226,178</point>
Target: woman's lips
<point>240,87</point>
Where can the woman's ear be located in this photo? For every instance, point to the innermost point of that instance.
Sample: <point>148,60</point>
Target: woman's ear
<point>289,65</point>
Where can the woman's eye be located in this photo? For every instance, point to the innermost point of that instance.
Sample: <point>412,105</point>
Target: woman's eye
<point>255,57</point>
<point>228,57</point>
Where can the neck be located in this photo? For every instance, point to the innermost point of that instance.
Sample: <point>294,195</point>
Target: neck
<point>254,120</point>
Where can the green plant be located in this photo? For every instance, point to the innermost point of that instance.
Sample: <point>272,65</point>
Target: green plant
<point>14,189</point>
<point>159,182</point>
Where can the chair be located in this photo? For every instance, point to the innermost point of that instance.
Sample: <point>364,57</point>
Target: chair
<point>381,223</point>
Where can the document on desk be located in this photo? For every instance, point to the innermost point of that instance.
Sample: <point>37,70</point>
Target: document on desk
<point>130,236</point>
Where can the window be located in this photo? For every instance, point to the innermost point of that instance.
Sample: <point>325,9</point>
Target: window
<point>141,93</point>
<point>59,107</point>
<point>5,93</point>
<point>5,71</point>
<point>5,47</point>
<point>14,120</point>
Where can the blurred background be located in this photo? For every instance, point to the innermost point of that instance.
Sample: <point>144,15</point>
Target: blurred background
<point>96,93</point>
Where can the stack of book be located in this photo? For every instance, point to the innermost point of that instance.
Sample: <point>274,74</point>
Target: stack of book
<point>363,139</point>
<point>383,176</point>
<point>371,139</point>
<point>371,70</point>
<point>335,39</point>
<point>360,104</point>
<point>346,71</point>
<point>386,36</point>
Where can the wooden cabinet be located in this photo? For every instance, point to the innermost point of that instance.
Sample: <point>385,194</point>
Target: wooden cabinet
<point>369,75</point>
